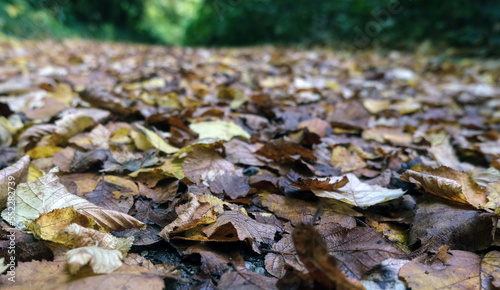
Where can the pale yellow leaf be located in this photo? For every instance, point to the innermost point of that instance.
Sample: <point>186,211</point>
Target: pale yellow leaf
<point>146,139</point>
<point>101,261</point>
<point>218,129</point>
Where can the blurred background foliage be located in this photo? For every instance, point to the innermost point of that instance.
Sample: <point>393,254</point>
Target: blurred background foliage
<point>470,25</point>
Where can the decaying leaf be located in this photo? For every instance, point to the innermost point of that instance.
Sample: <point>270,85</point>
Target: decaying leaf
<point>298,211</point>
<point>242,278</point>
<point>195,212</point>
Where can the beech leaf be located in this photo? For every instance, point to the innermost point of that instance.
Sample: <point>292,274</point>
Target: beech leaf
<point>47,193</point>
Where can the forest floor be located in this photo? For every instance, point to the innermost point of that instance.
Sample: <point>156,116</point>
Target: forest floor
<point>250,168</point>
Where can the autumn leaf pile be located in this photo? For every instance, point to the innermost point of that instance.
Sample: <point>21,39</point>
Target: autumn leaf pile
<point>265,168</point>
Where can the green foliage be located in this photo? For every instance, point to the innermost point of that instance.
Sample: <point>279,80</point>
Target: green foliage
<point>353,23</point>
<point>388,23</point>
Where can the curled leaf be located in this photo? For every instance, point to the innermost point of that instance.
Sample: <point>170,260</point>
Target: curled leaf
<point>101,261</point>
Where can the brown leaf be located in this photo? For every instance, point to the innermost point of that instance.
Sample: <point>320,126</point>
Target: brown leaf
<point>316,125</point>
<point>312,251</point>
<point>286,152</point>
<point>283,253</point>
<point>359,249</point>
<point>461,272</point>
<point>53,275</point>
<point>242,278</point>
<point>347,161</point>
<point>436,224</point>
<point>237,224</point>
<point>349,115</point>
<point>316,184</point>
<point>447,183</point>
<point>111,196</point>
<point>299,211</point>
<point>214,261</point>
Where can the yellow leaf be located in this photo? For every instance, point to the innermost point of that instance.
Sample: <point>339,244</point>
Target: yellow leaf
<point>34,172</point>
<point>218,129</point>
<point>50,226</point>
<point>44,151</point>
<point>146,139</point>
<point>62,93</point>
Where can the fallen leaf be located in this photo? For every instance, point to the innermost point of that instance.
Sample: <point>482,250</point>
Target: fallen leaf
<point>359,249</point>
<point>447,183</point>
<point>283,252</point>
<point>316,126</point>
<point>49,275</point>
<point>358,193</point>
<point>146,139</point>
<point>436,224</point>
<point>102,261</point>
<point>312,251</point>
<point>242,227</point>
<point>242,278</point>
<point>347,161</point>
<point>10,177</point>
<point>218,129</point>
<point>299,211</point>
<point>463,270</point>
<point>47,193</point>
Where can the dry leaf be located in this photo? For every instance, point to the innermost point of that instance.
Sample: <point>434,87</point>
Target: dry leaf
<point>146,139</point>
<point>463,271</point>
<point>102,261</point>
<point>53,275</point>
<point>242,227</point>
<point>447,183</point>
<point>10,177</point>
<point>218,129</point>
<point>359,193</point>
<point>312,251</point>
<point>47,193</point>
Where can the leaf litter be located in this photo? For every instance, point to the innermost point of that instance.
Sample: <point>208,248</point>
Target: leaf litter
<point>255,168</point>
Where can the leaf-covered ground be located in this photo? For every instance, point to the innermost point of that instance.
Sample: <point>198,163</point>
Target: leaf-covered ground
<point>254,168</point>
